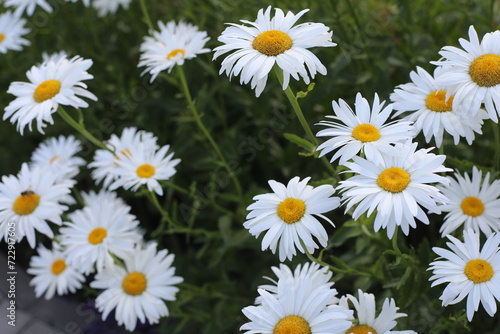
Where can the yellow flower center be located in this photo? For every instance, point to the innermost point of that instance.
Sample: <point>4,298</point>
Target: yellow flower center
<point>478,271</point>
<point>291,210</point>
<point>46,90</point>
<point>292,324</point>
<point>2,37</point>
<point>393,179</point>
<point>97,235</point>
<point>175,52</point>
<point>58,266</point>
<point>145,171</point>
<point>361,329</point>
<point>436,101</point>
<point>26,203</point>
<point>134,283</point>
<point>54,158</point>
<point>272,42</point>
<point>472,206</point>
<point>366,133</point>
<point>485,70</point>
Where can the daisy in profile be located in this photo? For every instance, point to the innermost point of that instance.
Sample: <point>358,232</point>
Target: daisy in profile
<point>170,46</point>
<point>297,308</point>
<point>106,7</point>
<point>51,84</point>
<point>98,230</point>
<point>366,322</point>
<point>433,111</point>
<point>287,215</point>
<point>473,204</point>
<point>397,187</point>
<point>139,290</point>
<point>31,199</point>
<point>53,274</point>
<point>474,73</point>
<point>363,130</point>
<point>258,46</point>
<point>27,5</point>
<point>12,30</point>
<point>469,271</point>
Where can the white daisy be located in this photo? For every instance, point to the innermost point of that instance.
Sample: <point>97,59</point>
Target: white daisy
<point>30,200</point>
<point>433,111</point>
<point>55,57</point>
<point>472,204</point>
<point>105,162</point>
<point>474,73</point>
<point>139,291</point>
<point>27,5</point>
<point>397,187</point>
<point>287,216</point>
<point>86,3</point>
<point>266,42</point>
<point>366,321</point>
<point>97,230</point>
<point>12,30</point>
<point>297,308</point>
<point>105,7</point>
<point>469,272</point>
<point>144,166</point>
<point>53,274</point>
<point>171,46</point>
<point>51,84</point>
<point>364,130</point>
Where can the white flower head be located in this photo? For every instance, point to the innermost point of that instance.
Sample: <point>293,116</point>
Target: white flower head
<point>287,215</point>
<point>170,46</point>
<point>139,291</point>
<point>469,271</point>
<point>363,130</point>
<point>259,45</point>
<point>12,30</point>
<point>51,84</point>
<point>106,7</point>
<point>27,5</point>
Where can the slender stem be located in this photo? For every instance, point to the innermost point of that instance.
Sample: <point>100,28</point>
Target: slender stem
<point>204,130</point>
<point>496,159</point>
<point>154,200</point>
<point>145,14</point>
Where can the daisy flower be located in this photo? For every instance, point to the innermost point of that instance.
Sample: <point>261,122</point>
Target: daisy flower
<point>55,57</point>
<point>287,216</point>
<point>105,7</point>
<point>398,187</point>
<point>138,292</point>
<point>364,130</point>
<point>27,5</point>
<point>105,162</point>
<point>366,321</point>
<point>469,272</point>
<point>12,30</point>
<point>474,73</point>
<point>51,84</point>
<point>53,274</point>
<point>86,3</point>
<point>259,45</point>
<point>297,308</point>
<point>97,230</point>
<point>171,46</point>
<point>30,200</point>
<point>472,204</point>
<point>432,109</point>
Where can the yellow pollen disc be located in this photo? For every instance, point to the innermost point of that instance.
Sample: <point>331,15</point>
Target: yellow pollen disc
<point>292,324</point>
<point>58,266</point>
<point>436,101</point>
<point>46,90</point>
<point>393,179</point>
<point>361,329</point>
<point>26,203</point>
<point>485,70</point>
<point>134,283</point>
<point>2,37</point>
<point>366,133</point>
<point>145,171</point>
<point>97,235</point>
<point>54,158</point>
<point>291,210</point>
<point>272,42</point>
<point>478,271</point>
<point>175,52</point>
<point>472,206</point>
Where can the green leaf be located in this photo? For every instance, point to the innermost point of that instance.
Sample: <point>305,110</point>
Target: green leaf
<point>303,94</point>
<point>301,142</point>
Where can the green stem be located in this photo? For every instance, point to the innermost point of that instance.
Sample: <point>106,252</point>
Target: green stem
<point>80,127</point>
<point>145,14</point>
<point>154,200</point>
<point>204,130</point>
<point>496,159</point>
